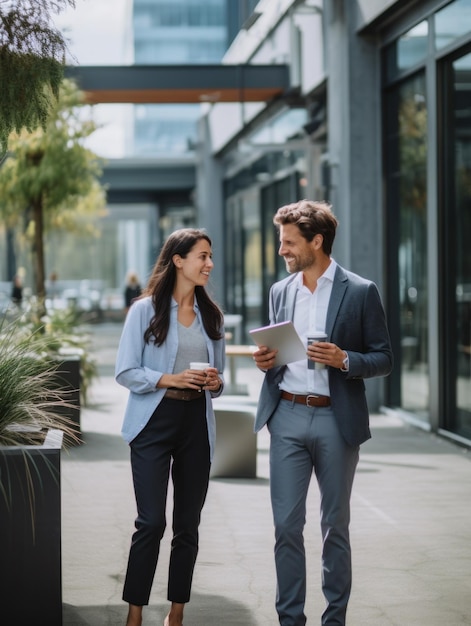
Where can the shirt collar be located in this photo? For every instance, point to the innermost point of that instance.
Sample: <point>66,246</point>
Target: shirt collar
<point>330,271</point>
<point>174,303</point>
<point>327,275</point>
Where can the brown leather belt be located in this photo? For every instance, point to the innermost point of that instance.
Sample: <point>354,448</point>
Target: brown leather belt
<point>183,394</point>
<point>309,400</point>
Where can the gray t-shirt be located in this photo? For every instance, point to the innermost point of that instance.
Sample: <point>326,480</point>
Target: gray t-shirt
<point>191,346</point>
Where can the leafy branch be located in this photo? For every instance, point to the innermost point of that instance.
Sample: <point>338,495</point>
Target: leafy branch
<point>32,59</point>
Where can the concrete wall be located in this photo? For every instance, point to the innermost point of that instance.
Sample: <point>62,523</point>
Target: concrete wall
<point>354,147</point>
<point>354,142</point>
<point>210,204</point>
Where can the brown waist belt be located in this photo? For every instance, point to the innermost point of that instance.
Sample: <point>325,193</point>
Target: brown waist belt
<point>309,400</point>
<point>183,394</point>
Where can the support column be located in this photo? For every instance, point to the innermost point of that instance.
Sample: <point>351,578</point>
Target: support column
<point>354,147</point>
<point>210,205</point>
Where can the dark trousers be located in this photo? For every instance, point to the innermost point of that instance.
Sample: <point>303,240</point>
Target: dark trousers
<point>176,437</point>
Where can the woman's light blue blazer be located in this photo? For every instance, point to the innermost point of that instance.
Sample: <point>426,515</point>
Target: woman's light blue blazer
<point>140,365</point>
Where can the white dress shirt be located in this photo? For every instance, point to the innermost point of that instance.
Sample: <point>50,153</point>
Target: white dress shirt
<point>310,314</point>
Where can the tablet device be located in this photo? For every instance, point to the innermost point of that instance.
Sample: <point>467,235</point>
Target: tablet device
<point>282,337</point>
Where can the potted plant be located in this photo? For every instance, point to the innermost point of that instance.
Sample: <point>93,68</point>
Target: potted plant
<point>68,346</point>
<point>31,436</point>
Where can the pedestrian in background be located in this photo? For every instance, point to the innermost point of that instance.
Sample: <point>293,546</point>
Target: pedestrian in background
<point>17,291</point>
<point>132,289</point>
<point>169,420</point>
<point>317,418</point>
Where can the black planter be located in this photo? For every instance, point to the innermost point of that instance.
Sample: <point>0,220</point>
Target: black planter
<point>68,379</point>
<point>30,533</point>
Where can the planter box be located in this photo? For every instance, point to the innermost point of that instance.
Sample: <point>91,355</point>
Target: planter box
<point>68,378</point>
<point>30,537</point>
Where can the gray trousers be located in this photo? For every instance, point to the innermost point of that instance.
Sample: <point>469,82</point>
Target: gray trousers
<point>304,440</point>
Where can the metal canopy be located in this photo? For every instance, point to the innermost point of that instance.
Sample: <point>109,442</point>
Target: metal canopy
<point>156,84</point>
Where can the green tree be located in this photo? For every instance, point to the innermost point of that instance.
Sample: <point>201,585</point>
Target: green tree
<point>49,179</point>
<point>32,59</point>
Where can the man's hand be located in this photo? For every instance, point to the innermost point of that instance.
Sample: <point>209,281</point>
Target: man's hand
<point>327,353</point>
<point>264,358</point>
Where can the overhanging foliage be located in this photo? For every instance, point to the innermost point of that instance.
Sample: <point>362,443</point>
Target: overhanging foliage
<point>32,59</point>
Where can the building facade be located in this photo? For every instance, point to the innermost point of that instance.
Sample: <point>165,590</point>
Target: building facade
<point>190,33</point>
<point>378,122</point>
<point>176,32</point>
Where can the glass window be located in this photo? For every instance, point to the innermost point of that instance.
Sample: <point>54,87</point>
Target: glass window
<point>407,51</point>
<point>234,268</point>
<point>406,158</point>
<point>169,15</point>
<point>251,246</point>
<point>281,128</point>
<point>452,22</point>
<point>124,242</point>
<point>165,129</point>
<point>457,251</point>
<point>252,258</point>
<point>170,33</point>
<point>175,15</point>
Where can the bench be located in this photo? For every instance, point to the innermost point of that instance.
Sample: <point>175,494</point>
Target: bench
<point>236,443</point>
<point>233,351</point>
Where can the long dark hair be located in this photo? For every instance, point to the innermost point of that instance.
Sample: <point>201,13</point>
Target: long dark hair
<point>162,282</point>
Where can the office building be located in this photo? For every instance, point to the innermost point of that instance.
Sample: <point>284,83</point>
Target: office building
<point>377,121</point>
<point>176,32</point>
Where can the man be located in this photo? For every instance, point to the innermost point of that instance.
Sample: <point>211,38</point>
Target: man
<point>318,418</point>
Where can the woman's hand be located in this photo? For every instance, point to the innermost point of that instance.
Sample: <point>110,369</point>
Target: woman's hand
<point>212,381</point>
<point>207,379</point>
<point>192,379</point>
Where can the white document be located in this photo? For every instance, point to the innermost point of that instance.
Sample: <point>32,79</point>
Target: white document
<point>282,337</point>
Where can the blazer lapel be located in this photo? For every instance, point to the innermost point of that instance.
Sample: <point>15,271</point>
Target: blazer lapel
<point>339,287</point>
<point>291,299</point>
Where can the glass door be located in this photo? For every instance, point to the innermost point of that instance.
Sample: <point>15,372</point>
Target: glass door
<point>406,167</point>
<point>456,248</point>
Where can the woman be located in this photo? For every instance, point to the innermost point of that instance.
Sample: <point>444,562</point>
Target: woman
<point>169,419</point>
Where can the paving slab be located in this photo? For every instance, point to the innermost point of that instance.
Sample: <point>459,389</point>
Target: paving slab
<point>410,529</point>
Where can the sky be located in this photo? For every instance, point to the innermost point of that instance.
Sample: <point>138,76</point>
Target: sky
<point>97,32</point>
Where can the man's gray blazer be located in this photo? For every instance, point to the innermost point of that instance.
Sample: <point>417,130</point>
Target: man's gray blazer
<point>355,323</point>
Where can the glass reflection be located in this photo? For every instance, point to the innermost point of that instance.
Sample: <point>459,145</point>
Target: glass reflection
<point>412,260</point>
<point>452,22</point>
<point>173,33</point>
<point>407,51</point>
<point>462,230</point>
<point>412,46</point>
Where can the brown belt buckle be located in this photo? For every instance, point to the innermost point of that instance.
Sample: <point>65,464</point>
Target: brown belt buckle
<point>311,395</point>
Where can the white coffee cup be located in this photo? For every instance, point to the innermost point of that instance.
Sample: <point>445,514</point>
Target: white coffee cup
<point>199,365</point>
<point>314,337</point>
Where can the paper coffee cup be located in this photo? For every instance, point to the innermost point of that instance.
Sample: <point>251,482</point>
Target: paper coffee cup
<point>313,338</point>
<point>199,365</point>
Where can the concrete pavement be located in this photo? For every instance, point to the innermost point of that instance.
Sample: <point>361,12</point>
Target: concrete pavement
<point>411,527</point>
